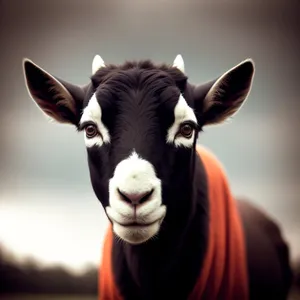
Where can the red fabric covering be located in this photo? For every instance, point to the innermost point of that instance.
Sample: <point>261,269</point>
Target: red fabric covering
<point>224,271</point>
<point>107,287</point>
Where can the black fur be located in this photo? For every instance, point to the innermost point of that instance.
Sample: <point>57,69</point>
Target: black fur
<point>167,267</point>
<point>137,101</point>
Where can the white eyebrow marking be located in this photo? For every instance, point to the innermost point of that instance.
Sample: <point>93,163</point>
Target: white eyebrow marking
<point>182,112</point>
<point>93,113</point>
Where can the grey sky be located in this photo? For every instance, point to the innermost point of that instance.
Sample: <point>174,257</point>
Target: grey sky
<point>45,193</point>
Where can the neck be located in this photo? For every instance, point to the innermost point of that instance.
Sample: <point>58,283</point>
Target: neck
<point>156,268</point>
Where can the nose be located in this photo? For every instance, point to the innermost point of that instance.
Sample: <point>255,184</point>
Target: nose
<point>135,198</point>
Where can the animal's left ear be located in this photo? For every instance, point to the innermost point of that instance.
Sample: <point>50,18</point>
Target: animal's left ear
<point>223,97</point>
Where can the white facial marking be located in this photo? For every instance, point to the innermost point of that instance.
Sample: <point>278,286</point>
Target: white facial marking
<point>179,63</point>
<point>135,175</point>
<point>98,63</point>
<point>93,113</point>
<point>182,113</point>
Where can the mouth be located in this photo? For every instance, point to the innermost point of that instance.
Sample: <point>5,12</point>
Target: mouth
<point>136,224</point>
<point>136,229</point>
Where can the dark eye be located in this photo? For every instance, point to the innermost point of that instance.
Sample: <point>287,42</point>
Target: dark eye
<point>186,130</point>
<point>91,131</point>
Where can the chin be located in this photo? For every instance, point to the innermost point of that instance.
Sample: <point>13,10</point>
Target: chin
<point>136,234</point>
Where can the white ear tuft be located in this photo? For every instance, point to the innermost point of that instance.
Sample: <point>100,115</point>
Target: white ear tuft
<point>179,63</point>
<point>98,63</point>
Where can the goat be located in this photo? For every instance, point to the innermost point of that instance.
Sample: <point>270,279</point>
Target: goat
<point>176,231</point>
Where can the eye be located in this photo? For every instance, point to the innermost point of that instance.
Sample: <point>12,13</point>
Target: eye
<point>186,130</point>
<point>91,131</point>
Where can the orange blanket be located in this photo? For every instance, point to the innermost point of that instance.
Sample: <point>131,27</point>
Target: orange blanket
<point>224,271</point>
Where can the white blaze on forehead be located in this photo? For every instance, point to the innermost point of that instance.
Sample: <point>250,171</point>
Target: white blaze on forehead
<point>93,113</point>
<point>182,113</point>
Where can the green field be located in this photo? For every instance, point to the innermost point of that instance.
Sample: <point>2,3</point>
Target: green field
<point>47,297</point>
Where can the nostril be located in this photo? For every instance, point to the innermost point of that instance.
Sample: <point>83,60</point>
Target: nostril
<point>146,196</point>
<point>124,197</point>
<point>135,198</point>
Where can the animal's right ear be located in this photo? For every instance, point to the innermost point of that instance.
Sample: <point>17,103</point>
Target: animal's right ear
<point>58,99</point>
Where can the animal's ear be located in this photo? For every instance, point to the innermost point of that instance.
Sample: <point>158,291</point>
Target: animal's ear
<point>219,99</point>
<point>58,99</point>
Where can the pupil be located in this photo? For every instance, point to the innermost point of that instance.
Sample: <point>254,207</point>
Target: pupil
<point>186,129</point>
<point>90,130</point>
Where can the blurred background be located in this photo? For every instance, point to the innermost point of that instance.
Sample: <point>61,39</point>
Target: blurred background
<point>51,224</point>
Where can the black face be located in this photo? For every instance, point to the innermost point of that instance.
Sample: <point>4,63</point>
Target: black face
<point>143,111</point>
<point>137,110</point>
<point>140,123</point>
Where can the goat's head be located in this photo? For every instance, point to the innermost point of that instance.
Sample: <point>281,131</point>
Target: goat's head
<point>140,124</point>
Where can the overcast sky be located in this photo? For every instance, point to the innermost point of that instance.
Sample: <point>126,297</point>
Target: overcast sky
<point>47,206</point>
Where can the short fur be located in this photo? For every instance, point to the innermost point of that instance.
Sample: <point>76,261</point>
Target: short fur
<point>220,274</point>
<point>137,100</point>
